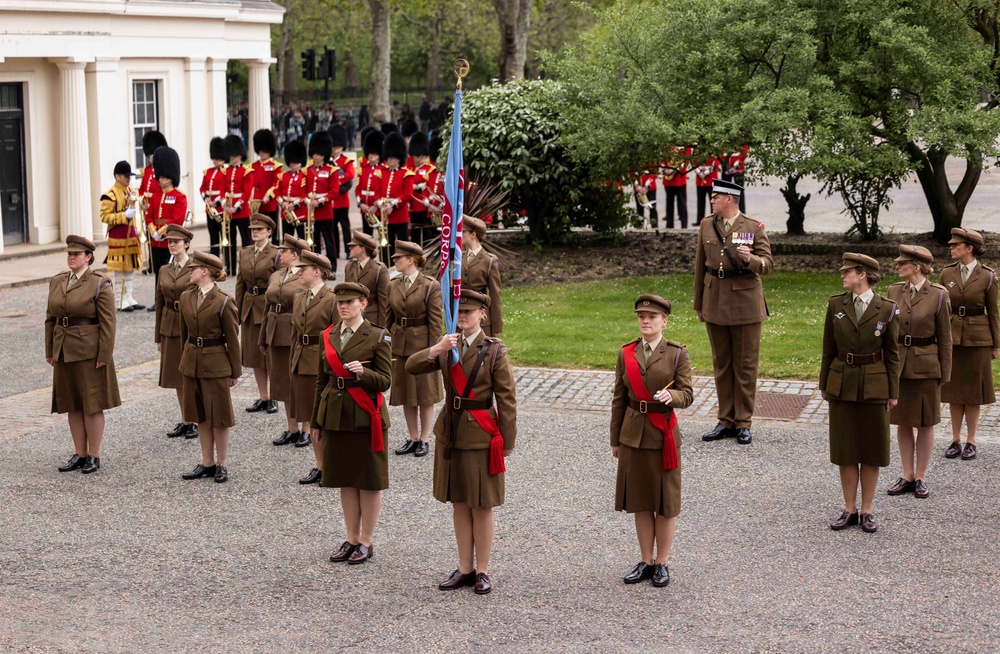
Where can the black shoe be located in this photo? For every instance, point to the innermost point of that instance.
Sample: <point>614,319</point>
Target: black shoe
<point>343,553</point>
<point>199,472</point>
<point>221,474</point>
<point>743,436</point>
<point>661,575</point>
<point>314,477</point>
<point>301,439</point>
<point>192,431</point>
<point>408,448</point>
<point>285,438</point>
<point>73,463</point>
<point>179,430</point>
<point>140,307</point>
<point>258,405</point>
<point>272,406</point>
<point>954,450</point>
<point>151,309</point>
<point>93,464</point>
<point>421,450</point>
<point>641,572</point>
<point>718,433</point>
<point>128,309</point>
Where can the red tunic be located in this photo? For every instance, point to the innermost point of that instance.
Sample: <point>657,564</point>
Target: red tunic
<point>213,185</point>
<point>165,209</point>
<point>239,186</point>
<point>712,167</point>
<point>424,173</point>
<point>736,162</point>
<point>345,168</point>
<point>292,186</point>
<point>369,186</point>
<point>397,185</point>
<point>676,167</point>
<point>322,184</point>
<point>265,181</point>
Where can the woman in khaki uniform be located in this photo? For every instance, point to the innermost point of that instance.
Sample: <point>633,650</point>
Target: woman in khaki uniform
<point>925,356</point>
<point>276,335</point>
<point>257,263</point>
<point>414,319</point>
<point>481,272</point>
<point>469,465</point>
<point>975,334</point>
<point>350,418</point>
<point>210,363</point>
<point>364,269</point>
<point>645,438</point>
<point>172,280</point>
<point>314,308</point>
<point>859,377</point>
<point>79,345</point>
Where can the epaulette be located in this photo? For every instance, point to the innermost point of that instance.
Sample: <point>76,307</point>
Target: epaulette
<point>936,285</point>
<point>897,284</point>
<point>207,171</point>
<point>248,167</point>
<point>838,295</point>
<point>378,173</point>
<point>408,173</point>
<point>107,197</point>
<point>986,268</point>
<point>952,264</point>
<point>674,343</point>
<point>430,278</point>
<point>180,192</point>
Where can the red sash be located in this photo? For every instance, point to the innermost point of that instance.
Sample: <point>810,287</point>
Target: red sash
<point>659,420</point>
<point>485,420</point>
<point>359,394</point>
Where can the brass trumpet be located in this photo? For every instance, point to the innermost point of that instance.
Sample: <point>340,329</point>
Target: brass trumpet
<point>288,212</point>
<point>383,228</point>
<point>140,217</point>
<point>310,212</point>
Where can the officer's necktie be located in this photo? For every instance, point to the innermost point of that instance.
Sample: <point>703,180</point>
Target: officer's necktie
<point>965,274</point>
<point>288,273</point>
<point>859,307</point>
<point>913,293</point>
<point>463,347</point>
<point>201,298</point>
<point>72,280</point>
<point>472,255</point>
<point>406,284</point>
<point>177,268</point>
<point>646,351</point>
<point>345,336</point>
<point>309,298</point>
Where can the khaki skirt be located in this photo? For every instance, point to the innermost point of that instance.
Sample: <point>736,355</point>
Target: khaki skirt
<point>643,484</point>
<point>348,461</point>
<point>414,390</point>
<point>250,344</point>
<point>301,397</point>
<point>170,359</point>
<point>971,377</point>
<point>207,400</point>
<point>465,478</point>
<point>919,403</point>
<point>859,433</point>
<point>278,373</point>
<point>82,386</point>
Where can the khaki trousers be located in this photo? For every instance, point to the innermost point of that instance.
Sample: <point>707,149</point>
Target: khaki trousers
<point>735,350</point>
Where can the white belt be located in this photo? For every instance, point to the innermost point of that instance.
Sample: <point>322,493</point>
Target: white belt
<point>367,192</point>
<point>319,195</point>
<point>213,192</point>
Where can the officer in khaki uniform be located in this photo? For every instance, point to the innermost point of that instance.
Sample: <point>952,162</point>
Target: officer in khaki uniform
<point>481,272</point>
<point>733,252</point>
<point>257,263</point>
<point>364,269</point>
<point>859,376</point>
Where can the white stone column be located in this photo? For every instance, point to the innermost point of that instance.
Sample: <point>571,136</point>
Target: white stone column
<point>260,96</point>
<point>217,106</point>
<point>199,122</point>
<point>75,201</point>
<point>109,129</point>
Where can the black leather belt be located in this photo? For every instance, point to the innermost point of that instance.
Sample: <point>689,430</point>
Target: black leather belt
<point>344,382</point>
<point>206,342</point>
<point>411,322</point>
<point>310,339</point>
<point>970,310</point>
<point>278,308</point>
<point>723,274</point>
<point>69,321</point>
<point>257,290</point>
<point>916,341</point>
<point>644,406</point>
<point>466,404</point>
<point>853,359</point>
<point>176,304</point>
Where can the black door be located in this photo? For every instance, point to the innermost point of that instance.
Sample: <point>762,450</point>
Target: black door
<point>12,201</point>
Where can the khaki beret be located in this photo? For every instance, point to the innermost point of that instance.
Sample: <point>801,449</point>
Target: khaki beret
<point>76,243</point>
<point>363,240</point>
<point>260,221</point>
<point>650,302</point>
<point>470,299</point>
<point>177,231</point>
<point>855,259</point>
<point>474,224</point>
<point>309,258</point>
<point>209,261</point>
<point>289,242</point>
<point>350,290</point>
<point>914,253</point>
<point>962,235</point>
<point>407,249</point>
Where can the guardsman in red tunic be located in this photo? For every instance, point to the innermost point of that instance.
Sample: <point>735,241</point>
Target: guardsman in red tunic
<point>675,171</point>
<point>422,230</point>
<point>395,190</point>
<point>644,190</point>
<point>149,187</point>
<point>342,196</point>
<point>369,185</point>
<point>236,200</point>
<point>292,190</point>
<point>266,173</point>
<point>322,184</point>
<point>118,212</point>
<point>212,189</point>
<point>736,168</point>
<point>167,207</point>
<point>409,129</point>
<point>704,176</point>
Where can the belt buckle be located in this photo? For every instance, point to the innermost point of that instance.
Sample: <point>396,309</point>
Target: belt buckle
<point>643,406</point>
<point>907,340</point>
<point>254,290</point>
<point>200,342</point>
<point>304,339</point>
<point>456,403</point>
<point>340,383</point>
<point>850,358</point>
<point>721,273</point>
<point>961,311</point>
<point>177,305</point>
<point>402,322</point>
<point>64,321</point>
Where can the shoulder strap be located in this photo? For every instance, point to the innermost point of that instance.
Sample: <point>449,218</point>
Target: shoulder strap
<point>456,415</point>
<point>224,303</point>
<point>722,243</point>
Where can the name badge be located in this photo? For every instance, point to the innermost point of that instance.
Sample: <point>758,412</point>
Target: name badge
<point>323,174</point>
<point>169,199</point>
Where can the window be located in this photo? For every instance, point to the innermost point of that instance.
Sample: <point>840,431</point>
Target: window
<point>145,115</point>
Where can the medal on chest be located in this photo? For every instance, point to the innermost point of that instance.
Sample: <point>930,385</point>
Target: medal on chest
<point>879,327</point>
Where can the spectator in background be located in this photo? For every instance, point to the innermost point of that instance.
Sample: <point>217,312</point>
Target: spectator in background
<point>394,113</point>
<point>425,114</point>
<point>350,123</point>
<point>363,118</point>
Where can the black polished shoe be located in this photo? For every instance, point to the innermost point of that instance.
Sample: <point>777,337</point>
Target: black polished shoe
<point>845,520</point>
<point>920,489</point>
<point>483,584</point>
<point>221,474</point>
<point>285,438</point>
<point>179,430</point>
<point>272,406</point>
<point>301,439</point>
<point>361,554</point>
<point>192,431</point>
<point>257,406</point>
<point>641,572</point>
<point>661,575</point>
<point>343,553</point>
<point>73,463</point>
<point>408,448</point>
<point>314,477</point>
<point>151,309</point>
<point>93,464</point>
<point>140,307</point>
<point>422,449</point>
<point>743,436</point>
<point>199,472</point>
<point>457,580</point>
<point>718,433</point>
<point>954,450</point>
<point>901,487</point>
<point>969,453</point>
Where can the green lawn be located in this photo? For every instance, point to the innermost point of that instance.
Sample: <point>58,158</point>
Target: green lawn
<point>583,325</point>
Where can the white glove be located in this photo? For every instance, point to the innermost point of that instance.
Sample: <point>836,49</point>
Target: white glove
<point>156,237</point>
<point>130,213</point>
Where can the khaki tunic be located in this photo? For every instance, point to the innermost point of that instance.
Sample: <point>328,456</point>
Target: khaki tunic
<point>421,302</point>
<point>973,337</point>
<point>461,459</point>
<point>276,331</point>
<point>167,331</point>
<point>481,273</point>
<point>304,358</point>
<point>375,277</point>
<point>643,484</point>
<point>251,287</point>
<point>77,383</point>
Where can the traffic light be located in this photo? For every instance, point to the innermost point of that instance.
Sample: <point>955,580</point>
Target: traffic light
<point>322,67</point>
<point>309,64</point>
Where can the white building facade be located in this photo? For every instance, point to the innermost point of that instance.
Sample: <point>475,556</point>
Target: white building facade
<point>82,80</point>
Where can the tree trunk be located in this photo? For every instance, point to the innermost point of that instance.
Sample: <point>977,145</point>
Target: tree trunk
<point>515,19</point>
<point>947,207</point>
<point>286,56</point>
<point>350,72</point>
<point>796,206</point>
<point>433,76</point>
<point>381,66</point>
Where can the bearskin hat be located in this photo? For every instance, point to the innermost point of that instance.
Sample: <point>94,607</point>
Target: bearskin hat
<point>372,143</point>
<point>394,145</point>
<point>419,146</point>
<point>152,140</point>
<point>235,146</point>
<point>217,149</point>
<point>339,136</point>
<point>263,141</point>
<point>365,131</point>
<point>167,164</point>
<point>295,152</point>
<point>321,143</point>
<point>388,128</point>
<point>409,127</point>
<point>433,147</point>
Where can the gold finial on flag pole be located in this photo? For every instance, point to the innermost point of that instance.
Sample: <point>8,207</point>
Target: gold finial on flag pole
<point>461,69</point>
